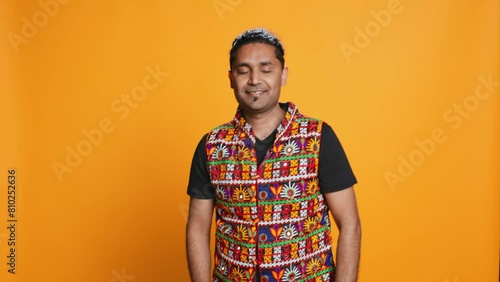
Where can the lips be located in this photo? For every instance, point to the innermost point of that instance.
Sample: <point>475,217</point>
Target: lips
<point>256,92</point>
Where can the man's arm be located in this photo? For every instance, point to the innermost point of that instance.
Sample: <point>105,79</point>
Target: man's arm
<point>342,205</point>
<point>198,239</point>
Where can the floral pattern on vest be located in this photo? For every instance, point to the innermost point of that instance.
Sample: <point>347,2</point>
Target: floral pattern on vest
<point>271,218</point>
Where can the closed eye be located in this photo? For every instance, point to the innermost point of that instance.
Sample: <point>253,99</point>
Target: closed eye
<point>242,70</point>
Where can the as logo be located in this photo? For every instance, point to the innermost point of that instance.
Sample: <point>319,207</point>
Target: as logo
<point>223,6</point>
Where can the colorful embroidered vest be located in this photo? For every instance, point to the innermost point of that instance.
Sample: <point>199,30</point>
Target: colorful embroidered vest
<point>270,218</point>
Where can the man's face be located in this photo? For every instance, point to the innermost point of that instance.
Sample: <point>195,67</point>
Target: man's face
<point>256,77</point>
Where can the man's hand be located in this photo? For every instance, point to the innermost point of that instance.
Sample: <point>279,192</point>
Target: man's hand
<point>342,205</point>
<point>198,239</point>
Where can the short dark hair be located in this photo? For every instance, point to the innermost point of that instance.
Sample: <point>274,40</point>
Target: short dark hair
<point>257,35</point>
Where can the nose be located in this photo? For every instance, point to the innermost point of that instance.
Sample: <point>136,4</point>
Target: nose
<point>254,78</point>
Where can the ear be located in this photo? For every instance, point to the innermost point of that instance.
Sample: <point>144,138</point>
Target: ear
<point>284,76</point>
<point>230,79</point>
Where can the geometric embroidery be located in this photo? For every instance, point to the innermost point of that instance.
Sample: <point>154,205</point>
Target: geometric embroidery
<point>270,218</point>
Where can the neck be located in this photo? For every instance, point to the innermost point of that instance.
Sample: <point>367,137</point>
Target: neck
<point>264,124</point>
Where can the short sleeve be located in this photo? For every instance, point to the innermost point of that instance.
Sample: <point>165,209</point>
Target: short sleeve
<point>199,185</point>
<point>335,172</point>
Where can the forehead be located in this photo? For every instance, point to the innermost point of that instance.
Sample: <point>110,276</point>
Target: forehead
<point>255,53</point>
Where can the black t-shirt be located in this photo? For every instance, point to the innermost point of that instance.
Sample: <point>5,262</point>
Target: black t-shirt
<point>334,173</point>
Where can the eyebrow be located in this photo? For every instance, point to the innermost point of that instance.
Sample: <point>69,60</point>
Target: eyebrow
<point>265,63</point>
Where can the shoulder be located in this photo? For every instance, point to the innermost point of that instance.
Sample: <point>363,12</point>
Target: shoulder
<point>227,125</point>
<point>300,117</point>
<point>312,123</point>
<point>220,132</point>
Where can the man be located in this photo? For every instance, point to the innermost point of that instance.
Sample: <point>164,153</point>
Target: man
<point>271,175</point>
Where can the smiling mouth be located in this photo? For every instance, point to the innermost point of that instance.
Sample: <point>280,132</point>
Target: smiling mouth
<point>255,93</point>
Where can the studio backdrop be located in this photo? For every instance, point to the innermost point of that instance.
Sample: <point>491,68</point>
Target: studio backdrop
<point>103,103</point>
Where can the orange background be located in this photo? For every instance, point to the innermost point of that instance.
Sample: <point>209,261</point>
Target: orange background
<point>120,212</point>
